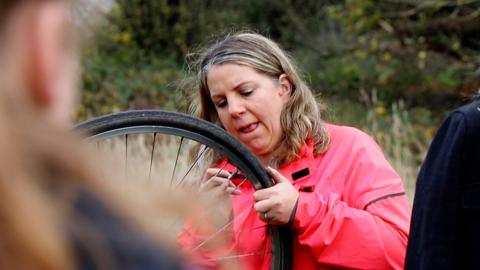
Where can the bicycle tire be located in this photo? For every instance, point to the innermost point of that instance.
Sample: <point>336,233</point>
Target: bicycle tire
<point>175,123</point>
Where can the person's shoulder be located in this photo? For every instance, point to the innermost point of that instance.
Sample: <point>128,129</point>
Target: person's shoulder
<point>466,117</point>
<point>470,115</point>
<point>341,132</point>
<point>470,110</point>
<point>461,127</point>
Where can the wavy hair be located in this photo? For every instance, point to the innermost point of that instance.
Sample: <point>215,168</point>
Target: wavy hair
<point>301,118</point>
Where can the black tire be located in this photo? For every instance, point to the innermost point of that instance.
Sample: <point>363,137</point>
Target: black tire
<point>174,123</point>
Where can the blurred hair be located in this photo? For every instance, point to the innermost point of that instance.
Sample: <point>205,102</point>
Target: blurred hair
<point>34,175</point>
<point>301,118</point>
<point>43,172</point>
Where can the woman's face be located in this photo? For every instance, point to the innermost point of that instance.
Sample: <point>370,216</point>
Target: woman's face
<point>249,105</point>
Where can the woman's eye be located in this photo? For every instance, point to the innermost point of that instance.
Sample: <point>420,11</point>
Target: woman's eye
<point>220,104</point>
<point>246,91</point>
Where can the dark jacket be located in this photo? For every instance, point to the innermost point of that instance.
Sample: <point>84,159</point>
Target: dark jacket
<point>102,240</point>
<point>445,227</point>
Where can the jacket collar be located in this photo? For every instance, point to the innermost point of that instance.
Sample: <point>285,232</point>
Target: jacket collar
<point>302,166</point>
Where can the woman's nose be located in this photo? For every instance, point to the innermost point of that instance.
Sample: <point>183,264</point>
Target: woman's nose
<point>236,107</point>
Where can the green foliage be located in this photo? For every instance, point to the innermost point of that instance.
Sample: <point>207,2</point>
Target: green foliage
<point>411,50</point>
<point>172,27</point>
<point>422,52</point>
<point>129,80</point>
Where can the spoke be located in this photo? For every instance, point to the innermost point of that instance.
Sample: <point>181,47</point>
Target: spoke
<point>240,184</point>
<point>151,156</point>
<point>193,165</point>
<point>252,228</point>
<point>239,256</point>
<point>220,230</point>
<point>176,161</point>
<point>126,153</point>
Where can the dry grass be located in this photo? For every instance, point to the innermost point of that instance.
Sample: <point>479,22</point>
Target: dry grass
<point>401,145</point>
<point>145,176</point>
<point>144,161</point>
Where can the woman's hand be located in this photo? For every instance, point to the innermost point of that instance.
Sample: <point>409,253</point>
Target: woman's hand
<point>217,180</point>
<point>215,190</point>
<point>276,204</point>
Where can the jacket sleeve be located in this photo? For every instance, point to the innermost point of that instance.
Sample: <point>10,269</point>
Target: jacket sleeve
<point>364,227</point>
<point>437,193</point>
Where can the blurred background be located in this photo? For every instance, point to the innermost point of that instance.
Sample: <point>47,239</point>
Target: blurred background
<point>393,68</point>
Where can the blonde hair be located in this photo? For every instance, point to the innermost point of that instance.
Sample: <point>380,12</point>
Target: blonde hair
<point>301,118</point>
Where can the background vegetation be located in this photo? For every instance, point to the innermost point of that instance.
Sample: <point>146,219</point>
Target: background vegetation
<point>392,67</point>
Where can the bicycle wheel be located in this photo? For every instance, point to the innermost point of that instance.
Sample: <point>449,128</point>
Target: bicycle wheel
<point>124,125</point>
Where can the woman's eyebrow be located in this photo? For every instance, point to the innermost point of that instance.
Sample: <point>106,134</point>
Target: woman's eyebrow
<point>237,86</point>
<point>216,96</point>
<point>241,84</point>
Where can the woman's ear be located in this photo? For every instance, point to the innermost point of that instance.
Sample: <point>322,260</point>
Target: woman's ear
<point>44,53</point>
<point>285,86</point>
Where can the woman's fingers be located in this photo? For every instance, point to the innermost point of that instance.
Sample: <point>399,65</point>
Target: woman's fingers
<point>215,181</point>
<point>263,206</point>
<point>233,191</point>
<point>280,182</point>
<point>276,204</point>
<point>277,176</point>
<point>213,172</point>
<point>261,194</point>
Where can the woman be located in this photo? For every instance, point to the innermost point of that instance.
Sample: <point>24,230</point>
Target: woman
<point>56,212</point>
<point>344,202</point>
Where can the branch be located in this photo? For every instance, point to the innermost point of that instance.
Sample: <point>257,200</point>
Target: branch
<point>418,6</point>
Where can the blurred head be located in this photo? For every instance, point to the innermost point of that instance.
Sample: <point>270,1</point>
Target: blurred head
<point>286,110</point>
<point>38,63</point>
<point>37,78</point>
<point>44,167</point>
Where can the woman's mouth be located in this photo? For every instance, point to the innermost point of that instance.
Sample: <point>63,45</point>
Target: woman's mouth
<point>248,128</point>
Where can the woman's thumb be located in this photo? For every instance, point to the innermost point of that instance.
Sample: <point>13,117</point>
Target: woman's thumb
<point>277,176</point>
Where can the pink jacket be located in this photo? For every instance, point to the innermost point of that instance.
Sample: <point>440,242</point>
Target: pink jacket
<point>352,210</point>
